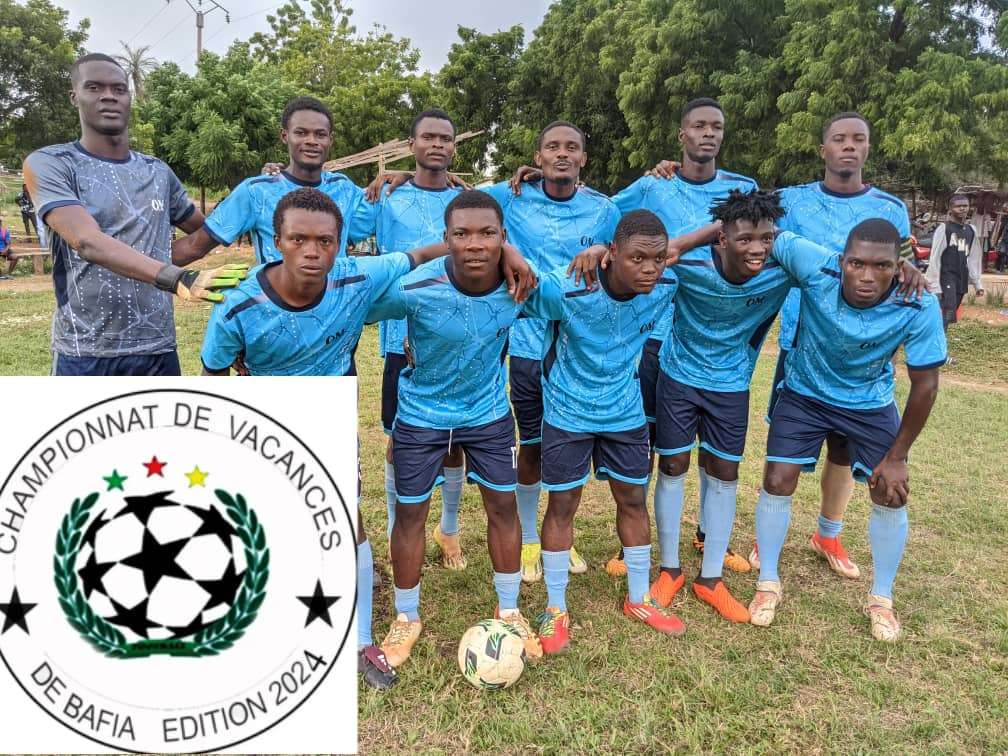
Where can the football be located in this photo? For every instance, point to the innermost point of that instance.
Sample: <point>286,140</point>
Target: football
<point>491,655</point>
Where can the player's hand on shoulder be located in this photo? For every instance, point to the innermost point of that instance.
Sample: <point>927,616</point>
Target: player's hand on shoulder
<point>524,174</point>
<point>458,182</point>
<point>239,365</point>
<point>272,169</point>
<point>587,262</point>
<point>890,482</point>
<point>912,283</point>
<point>518,274</point>
<point>408,352</point>
<point>394,179</point>
<point>664,169</point>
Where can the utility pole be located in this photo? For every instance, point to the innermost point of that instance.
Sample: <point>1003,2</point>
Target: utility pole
<point>200,23</point>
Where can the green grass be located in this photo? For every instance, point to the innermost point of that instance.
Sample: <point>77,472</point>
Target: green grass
<point>816,681</point>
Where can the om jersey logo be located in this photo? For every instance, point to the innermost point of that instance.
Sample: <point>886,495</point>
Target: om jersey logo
<point>172,571</point>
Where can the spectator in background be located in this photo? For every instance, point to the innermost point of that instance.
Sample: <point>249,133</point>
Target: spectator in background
<point>24,201</point>
<point>5,250</point>
<point>956,259</point>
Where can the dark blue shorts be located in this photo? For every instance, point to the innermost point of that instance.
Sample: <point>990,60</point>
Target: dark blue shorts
<point>566,455</point>
<point>647,372</point>
<point>418,455</point>
<point>166,363</point>
<point>721,419</point>
<point>525,377</point>
<point>800,424</point>
<point>394,365</point>
<point>778,382</point>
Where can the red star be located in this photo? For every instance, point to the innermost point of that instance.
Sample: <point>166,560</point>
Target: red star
<point>154,467</point>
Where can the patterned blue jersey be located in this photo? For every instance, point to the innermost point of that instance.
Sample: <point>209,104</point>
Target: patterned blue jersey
<point>826,218</point>
<point>590,382</point>
<point>682,205</point>
<point>409,218</point>
<point>249,209</point>
<point>843,355</point>
<point>549,233</point>
<point>319,339</point>
<point>719,327</point>
<point>458,340</point>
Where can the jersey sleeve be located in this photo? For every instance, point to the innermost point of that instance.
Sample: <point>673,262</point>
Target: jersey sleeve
<point>801,258</point>
<point>501,191</point>
<point>384,272</point>
<point>547,301</point>
<point>902,223</point>
<point>180,206</point>
<point>632,197</point>
<point>234,216</point>
<point>925,344</point>
<point>363,221</point>
<point>51,182</point>
<point>224,339</point>
<point>612,220</point>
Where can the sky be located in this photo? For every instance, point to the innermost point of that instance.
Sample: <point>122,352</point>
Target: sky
<point>170,27</point>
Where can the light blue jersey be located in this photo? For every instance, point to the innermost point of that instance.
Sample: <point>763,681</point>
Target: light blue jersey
<point>549,233</point>
<point>719,327</point>
<point>843,355</point>
<point>594,339</point>
<point>249,209</point>
<point>826,218</point>
<point>682,205</point>
<point>319,339</point>
<point>409,218</point>
<point>458,340</point>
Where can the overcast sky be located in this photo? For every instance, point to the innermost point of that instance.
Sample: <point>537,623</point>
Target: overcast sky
<point>171,27</point>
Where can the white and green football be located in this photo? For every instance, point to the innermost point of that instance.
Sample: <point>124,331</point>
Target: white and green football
<point>491,655</point>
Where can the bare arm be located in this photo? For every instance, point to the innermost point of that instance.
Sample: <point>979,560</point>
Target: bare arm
<point>890,478</point>
<point>193,246</point>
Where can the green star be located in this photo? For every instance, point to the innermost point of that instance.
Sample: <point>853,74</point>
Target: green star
<point>115,480</point>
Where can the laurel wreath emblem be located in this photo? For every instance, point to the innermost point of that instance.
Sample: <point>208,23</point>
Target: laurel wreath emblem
<point>212,639</point>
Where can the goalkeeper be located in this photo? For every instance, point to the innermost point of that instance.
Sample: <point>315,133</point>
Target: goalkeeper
<point>111,211</point>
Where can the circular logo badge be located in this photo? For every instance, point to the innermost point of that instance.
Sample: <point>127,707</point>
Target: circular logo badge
<point>173,572</point>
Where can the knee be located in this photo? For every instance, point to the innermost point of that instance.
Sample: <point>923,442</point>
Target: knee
<point>410,517</point>
<point>562,507</point>
<point>501,510</point>
<point>529,454</point>
<point>779,482</point>
<point>675,465</point>
<point>722,469</point>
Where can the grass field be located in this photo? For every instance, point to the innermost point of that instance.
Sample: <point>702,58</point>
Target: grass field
<point>814,682</point>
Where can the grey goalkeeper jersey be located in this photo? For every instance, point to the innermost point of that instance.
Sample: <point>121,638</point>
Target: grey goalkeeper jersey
<point>136,201</point>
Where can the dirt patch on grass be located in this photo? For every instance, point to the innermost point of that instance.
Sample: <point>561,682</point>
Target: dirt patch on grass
<point>989,315</point>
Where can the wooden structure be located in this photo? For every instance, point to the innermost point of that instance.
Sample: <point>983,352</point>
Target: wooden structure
<point>384,153</point>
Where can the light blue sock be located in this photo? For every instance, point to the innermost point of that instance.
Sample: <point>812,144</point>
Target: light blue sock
<point>703,492</point>
<point>390,496</point>
<point>451,499</point>
<point>827,528</point>
<point>407,601</point>
<point>365,586</point>
<point>555,566</point>
<point>638,564</point>
<point>719,513</point>
<point>528,511</point>
<point>773,516</point>
<point>507,584</point>
<point>668,503</point>
<point>887,534</point>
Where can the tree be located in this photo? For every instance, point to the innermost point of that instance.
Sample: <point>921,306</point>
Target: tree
<point>474,84</point>
<point>37,48</point>
<point>137,64</point>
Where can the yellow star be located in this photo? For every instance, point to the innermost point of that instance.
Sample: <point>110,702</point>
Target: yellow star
<point>197,477</point>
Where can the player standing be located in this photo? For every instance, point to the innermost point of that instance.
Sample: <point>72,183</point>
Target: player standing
<point>111,211</point>
<point>847,390</point>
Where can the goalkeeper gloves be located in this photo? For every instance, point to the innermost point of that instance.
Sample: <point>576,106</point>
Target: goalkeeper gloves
<point>193,285</point>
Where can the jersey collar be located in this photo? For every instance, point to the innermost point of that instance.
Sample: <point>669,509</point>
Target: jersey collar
<point>279,301</point>
<point>299,182</point>
<point>551,198</point>
<point>80,147</point>
<point>691,182</point>
<point>843,195</point>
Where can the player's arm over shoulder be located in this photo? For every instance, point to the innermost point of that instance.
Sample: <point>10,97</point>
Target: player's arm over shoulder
<point>548,299</point>
<point>800,257</point>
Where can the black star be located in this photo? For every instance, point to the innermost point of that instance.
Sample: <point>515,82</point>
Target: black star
<point>157,560</point>
<point>91,575</point>
<point>142,506</point>
<point>135,619</point>
<point>318,605</point>
<point>191,629</point>
<point>213,524</point>
<point>93,528</point>
<point>223,591</point>
<point>15,612</point>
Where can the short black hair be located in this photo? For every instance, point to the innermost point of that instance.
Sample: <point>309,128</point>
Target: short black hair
<point>431,113</point>
<point>843,117</point>
<point>470,199</point>
<point>90,58</point>
<point>304,103</point>
<point>306,198</point>
<point>877,230</point>
<point>699,102</point>
<point>958,196</point>
<point>639,223</point>
<point>557,124</point>
<point>754,206</point>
